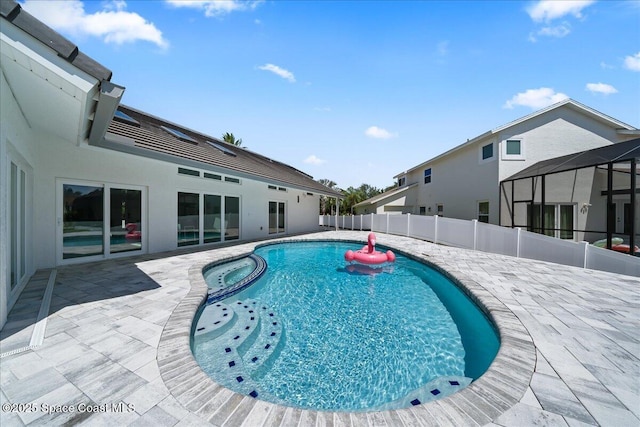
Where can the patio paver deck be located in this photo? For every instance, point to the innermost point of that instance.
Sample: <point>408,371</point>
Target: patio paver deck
<point>117,330</point>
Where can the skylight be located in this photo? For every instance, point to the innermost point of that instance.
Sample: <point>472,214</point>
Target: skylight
<point>179,134</point>
<point>221,148</point>
<point>124,117</point>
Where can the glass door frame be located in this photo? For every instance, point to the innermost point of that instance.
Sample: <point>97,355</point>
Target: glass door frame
<point>106,218</point>
<point>19,258</point>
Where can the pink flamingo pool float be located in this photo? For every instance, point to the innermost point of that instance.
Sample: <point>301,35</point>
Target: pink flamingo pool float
<point>368,254</point>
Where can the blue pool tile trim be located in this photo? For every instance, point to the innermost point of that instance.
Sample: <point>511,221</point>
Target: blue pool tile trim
<point>253,394</point>
<point>454,383</point>
<point>435,392</point>
<point>415,402</point>
<point>250,279</point>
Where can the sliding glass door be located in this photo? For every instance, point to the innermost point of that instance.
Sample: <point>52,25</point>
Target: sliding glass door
<point>276,217</point>
<point>201,220</point>
<point>99,220</point>
<point>83,216</point>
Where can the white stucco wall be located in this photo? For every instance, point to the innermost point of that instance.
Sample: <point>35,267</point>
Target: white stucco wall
<point>458,182</point>
<point>60,161</point>
<point>16,144</point>
<point>553,134</point>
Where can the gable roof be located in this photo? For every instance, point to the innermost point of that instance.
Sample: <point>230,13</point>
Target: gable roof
<point>390,193</point>
<point>623,127</point>
<point>146,136</point>
<point>618,152</point>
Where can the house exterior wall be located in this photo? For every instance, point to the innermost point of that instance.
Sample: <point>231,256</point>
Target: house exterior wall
<point>553,134</point>
<point>461,179</point>
<point>61,162</point>
<point>458,182</point>
<point>16,145</point>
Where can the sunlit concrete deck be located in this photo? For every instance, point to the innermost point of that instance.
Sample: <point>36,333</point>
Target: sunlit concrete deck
<point>118,330</point>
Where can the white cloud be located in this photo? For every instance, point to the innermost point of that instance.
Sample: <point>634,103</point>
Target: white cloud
<point>602,88</point>
<point>217,7</point>
<point>535,98</point>
<point>557,31</point>
<point>606,66</point>
<point>379,133</point>
<point>113,24</point>
<point>285,74</point>
<point>632,62</point>
<point>312,159</point>
<point>548,10</point>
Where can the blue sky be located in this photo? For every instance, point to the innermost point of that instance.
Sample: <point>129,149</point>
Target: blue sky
<point>358,91</point>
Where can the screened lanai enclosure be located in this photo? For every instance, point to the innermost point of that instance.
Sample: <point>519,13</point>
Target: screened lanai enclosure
<point>589,196</point>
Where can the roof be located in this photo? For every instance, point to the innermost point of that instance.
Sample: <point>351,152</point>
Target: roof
<point>614,153</point>
<point>147,137</point>
<point>386,194</point>
<point>623,127</point>
<point>13,12</point>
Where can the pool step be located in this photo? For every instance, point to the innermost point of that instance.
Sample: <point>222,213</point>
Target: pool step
<point>215,277</point>
<point>214,320</point>
<point>266,346</point>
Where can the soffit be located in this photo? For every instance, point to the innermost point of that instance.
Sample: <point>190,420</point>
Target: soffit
<point>53,95</point>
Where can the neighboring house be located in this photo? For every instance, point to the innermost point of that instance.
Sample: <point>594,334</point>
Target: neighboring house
<point>575,190</point>
<point>391,201</point>
<point>464,181</point>
<point>83,178</point>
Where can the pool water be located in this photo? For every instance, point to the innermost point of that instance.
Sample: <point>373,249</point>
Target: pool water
<point>314,333</point>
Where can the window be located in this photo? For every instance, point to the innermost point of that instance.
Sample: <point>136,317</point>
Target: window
<point>558,220</point>
<point>222,148</point>
<point>423,210</point>
<point>440,209</point>
<point>483,212</point>
<point>120,116</point>
<point>212,218</point>
<point>229,179</point>
<point>513,149</point>
<point>179,134</point>
<point>200,218</point>
<point>272,187</point>
<point>231,218</point>
<point>184,171</point>
<point>487,151</point>
<point>126,220</point>
<point>212,176</point>
<point>188,219</point>
<point>401,181</point>
<point>427,176</point>
<point>276,217</point>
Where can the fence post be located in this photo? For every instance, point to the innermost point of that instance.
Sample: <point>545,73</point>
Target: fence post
<point>585,249</point>
<point>435,229</point>
<point>518,242</point>
<point>361,219</point>
<point>475,233</point>
<point>371,228</point>
<point>387,223</point>
<point>408,224</point>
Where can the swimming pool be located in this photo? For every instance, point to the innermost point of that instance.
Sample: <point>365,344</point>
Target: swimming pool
<point>312,334</point>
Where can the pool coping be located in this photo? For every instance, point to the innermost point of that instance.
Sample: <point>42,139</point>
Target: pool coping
<point>496,391</point>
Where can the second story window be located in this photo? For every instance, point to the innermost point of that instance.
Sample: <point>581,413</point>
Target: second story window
<point>487,151</point>
<point>401,181</point>
<point>427,176</point>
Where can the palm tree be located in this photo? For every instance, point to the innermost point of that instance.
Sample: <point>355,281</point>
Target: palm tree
<point>325,202</point>
<point>230,139</point>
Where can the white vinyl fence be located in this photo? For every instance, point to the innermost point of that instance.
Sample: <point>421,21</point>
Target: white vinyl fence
<point>490,238</point>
